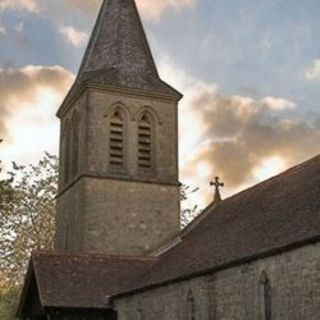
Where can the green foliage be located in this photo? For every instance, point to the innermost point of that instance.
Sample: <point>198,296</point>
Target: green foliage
<point>8,301</point>
<point>27,210</point>
<point>6,192</point>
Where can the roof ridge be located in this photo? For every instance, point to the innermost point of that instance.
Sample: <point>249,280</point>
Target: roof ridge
<point>94,255</point>
<point>212,207</point>
<point>226,243</point>
<point>275,177</point>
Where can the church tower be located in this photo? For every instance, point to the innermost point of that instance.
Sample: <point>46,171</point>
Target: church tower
<point>118,188</point>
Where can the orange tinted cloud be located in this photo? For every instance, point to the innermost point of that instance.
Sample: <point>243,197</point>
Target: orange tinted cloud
<point>29,98</point>
<point>155,8</point>
<point>240,138</point>
<point>149,8</point>
<point>240,133</point>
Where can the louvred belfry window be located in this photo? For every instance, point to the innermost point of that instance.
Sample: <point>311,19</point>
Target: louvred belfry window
<point>145,145</point>
<point>117,140</point>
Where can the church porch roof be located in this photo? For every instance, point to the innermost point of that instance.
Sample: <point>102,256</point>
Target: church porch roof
<point>81,281</point>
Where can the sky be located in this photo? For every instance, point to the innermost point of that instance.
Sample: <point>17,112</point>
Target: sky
<point>249,71</point>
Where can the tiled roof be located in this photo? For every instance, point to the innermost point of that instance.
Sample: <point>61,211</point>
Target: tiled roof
<point>84,281</point>
<point>275,215</point>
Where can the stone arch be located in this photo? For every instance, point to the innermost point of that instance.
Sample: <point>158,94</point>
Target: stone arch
<point>75,144</point>
<point>191,306</point>
<point>118,131</point>
<point>265,296</point>
<point>150,110</point>
<point>118,105</point>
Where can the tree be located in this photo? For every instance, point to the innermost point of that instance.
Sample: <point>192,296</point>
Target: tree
<point>8,301</point>
<point>27,207</point>
<point>188,214</point>
<point>27,211</point>
<point>8,293</point>
<point>6,191</point>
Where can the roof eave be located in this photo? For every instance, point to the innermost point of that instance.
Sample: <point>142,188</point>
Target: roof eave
<point>25,288</point>
<point>74,93</point>
<point>224,266</point>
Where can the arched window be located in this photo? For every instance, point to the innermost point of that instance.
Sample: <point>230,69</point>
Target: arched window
<point>140,311</point>
<point>66,152</point>
<point>191,307</point>
<point>146,142</point>
<point>117,157</point>
<point>66,238</point>
<point>265,297</point>
<point>75,144</point>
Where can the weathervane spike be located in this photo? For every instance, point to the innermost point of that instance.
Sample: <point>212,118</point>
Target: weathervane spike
<point>217,184</point>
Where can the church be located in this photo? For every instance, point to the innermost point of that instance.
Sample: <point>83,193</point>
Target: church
<point>120,252</point>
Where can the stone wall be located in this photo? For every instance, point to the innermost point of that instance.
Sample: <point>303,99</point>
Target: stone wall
<point>69,210</point>
<point>128,217</point>
<point>99,110</point>
<point>69,219</point>
<point>235,293</point>
<point>127,211</point>
<point>80,107</point>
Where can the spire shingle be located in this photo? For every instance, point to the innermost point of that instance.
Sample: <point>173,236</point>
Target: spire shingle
<point>118,41</point>
<point>118,54</point>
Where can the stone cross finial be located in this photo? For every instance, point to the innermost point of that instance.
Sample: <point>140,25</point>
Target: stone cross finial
<point>217,184</point>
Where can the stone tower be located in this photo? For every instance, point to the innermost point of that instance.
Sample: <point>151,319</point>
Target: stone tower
<point>118,189</point>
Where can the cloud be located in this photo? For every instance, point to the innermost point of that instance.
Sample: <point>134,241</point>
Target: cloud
<point>154,8</point>
<point>314,72</point>
<point>25,5</point>
<point>242,139</point>
<point>239,136</point>
<point>19,28</point>
<point>76,37</point>
<point>85,6</point>
<point>149,8</point>
<point>29,98</point>
<point>2,31</point>
<point>278,103</point>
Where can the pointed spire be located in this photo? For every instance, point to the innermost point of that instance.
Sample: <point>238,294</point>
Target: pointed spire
<point>118,53</point>
<point>118,41</point>
<point>118,56</point>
